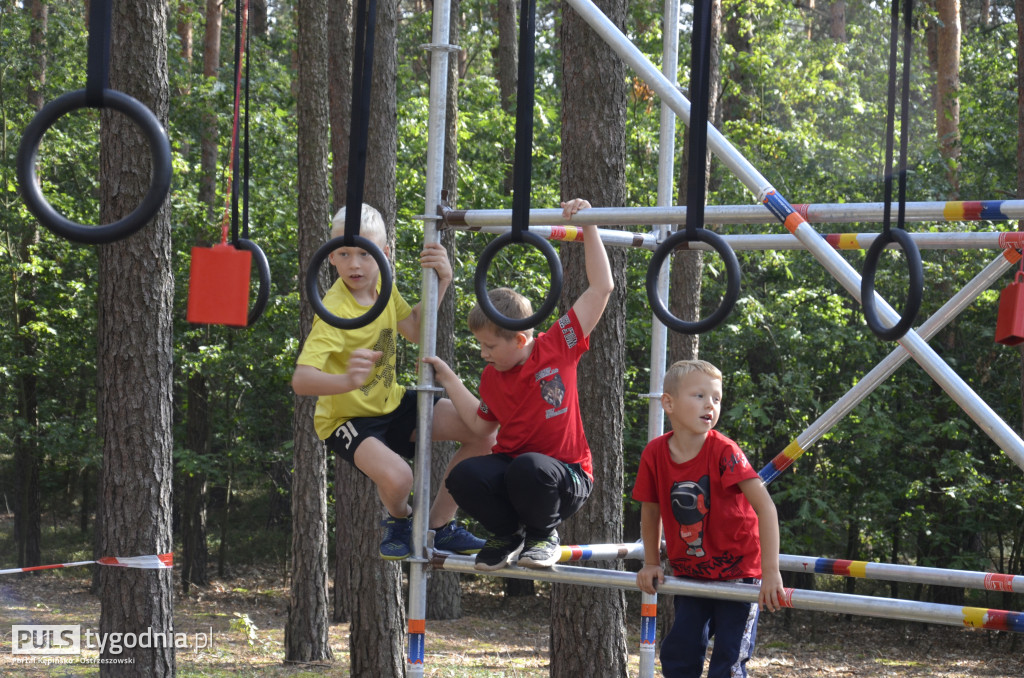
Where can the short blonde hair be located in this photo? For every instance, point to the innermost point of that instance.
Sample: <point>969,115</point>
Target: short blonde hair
<point>681,368</point>
<point>507,302</point>
<point>371,225</point>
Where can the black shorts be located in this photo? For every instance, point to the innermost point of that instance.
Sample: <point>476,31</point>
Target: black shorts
<point>394,429</point>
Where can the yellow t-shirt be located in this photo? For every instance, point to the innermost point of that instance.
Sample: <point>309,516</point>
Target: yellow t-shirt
<point>328,349</point>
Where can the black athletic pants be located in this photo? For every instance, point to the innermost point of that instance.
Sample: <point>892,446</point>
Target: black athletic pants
<point>531,490</point>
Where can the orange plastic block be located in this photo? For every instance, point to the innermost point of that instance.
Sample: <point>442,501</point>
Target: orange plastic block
<point>1010,322</point>
<point>218,289</point>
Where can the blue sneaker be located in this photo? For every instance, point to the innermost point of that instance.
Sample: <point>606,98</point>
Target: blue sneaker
<point>457,539</point>
<point>397,543</point>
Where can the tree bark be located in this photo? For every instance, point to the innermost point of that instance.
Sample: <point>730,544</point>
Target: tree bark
<point>594,167</point>
<point>306,631</point>
<point>193,496</point>
<point>27,501</point>
<point>506,68</point>
<point>208,129</point>
<point>135,354</point>
<point>377,629</point>
<point>945,35</point>
<point>339,23</point>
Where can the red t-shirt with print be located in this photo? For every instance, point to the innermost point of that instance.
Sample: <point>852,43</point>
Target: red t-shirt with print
<point>710,528</point>
<point>536,404</point>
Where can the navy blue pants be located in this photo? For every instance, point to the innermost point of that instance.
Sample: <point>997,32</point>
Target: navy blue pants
<point>532,490</point>
<point>733,626</point>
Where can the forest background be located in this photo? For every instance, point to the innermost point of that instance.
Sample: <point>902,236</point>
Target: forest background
<point>906,477</point>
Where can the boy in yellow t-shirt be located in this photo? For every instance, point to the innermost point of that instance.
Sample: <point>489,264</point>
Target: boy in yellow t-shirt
<point>362,412</point>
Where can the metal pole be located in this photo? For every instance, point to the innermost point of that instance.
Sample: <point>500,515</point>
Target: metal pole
<point>934,576</point>
<point>817,601</point>
<point>868,212</point>
<point>795,223</point>
<point>439,50</point>
<point>883,370</point>
<point>841,241</point>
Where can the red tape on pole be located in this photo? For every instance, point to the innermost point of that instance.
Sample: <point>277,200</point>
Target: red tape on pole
<point>157,562</point>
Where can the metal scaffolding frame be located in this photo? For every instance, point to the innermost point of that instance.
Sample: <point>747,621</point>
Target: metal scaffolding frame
<point>772,207</point>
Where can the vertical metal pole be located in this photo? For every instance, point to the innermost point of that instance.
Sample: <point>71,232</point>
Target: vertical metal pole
<point>840,269</point>
<point>648,633</point>
<point>439,50</point>
<point>659,333</point>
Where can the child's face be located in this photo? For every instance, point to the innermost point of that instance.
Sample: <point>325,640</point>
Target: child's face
<point>356,267</point>
<point>696,404</point>
<point>502,352</point>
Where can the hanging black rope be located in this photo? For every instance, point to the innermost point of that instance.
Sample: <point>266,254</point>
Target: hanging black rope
<point>243,242</point>
<point>700,86</point>
<point>522,177</point>
<point>95,95</point>
<point>362,85</point>
<point>899,235</point>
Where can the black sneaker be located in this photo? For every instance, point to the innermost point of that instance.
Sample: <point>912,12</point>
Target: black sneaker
<point>499,552</point>
<point>541,552</point>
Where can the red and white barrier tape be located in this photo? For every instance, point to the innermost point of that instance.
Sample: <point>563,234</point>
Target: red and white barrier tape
<point>162,561</point>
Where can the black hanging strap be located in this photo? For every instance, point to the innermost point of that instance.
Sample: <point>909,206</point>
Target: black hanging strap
<point>700,86</point>
<point>97,77</point>
<point>522,169</point>
<point>362,84</point>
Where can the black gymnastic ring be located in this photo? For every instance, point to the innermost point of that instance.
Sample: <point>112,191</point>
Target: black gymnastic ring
<point>915,291</point>
<point>480,280</point>
<point>263,266</point>
<point>313,283</point>
<point>32,193</point>
<point>732,290</point>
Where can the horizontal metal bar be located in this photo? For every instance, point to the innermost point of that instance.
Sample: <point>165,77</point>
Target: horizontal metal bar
<point>781,241</point>
<point>914,574</point>
<point>818,213</point>
<point>817,601</point>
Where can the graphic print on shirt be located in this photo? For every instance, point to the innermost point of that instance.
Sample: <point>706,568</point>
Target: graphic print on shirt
<point>690,503</point>
<point>552,390</point>
<point>386,345</point>
<point>568,332</point>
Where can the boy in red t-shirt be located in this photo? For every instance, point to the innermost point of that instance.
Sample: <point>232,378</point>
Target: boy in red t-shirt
<point>540,472</point>
<point>720,524</point>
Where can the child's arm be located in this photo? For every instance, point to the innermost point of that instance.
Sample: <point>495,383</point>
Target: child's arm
<point>309,381</point>
<point>651,574</point>
<point>466,404</point>
<point>772,591</point>
<point>434,256</point>
<point>591,303</point>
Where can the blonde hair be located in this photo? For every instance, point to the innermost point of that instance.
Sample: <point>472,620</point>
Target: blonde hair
<point>681,368</point>
<point>507,302</point>
<point>371,225</point>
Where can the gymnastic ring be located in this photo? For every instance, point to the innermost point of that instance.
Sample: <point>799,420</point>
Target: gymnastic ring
<point>313,285</point>
<point>732,290</point>
<point>915,291</point>
<point>263,266</point>
<point>480,280</point>
<point>32,193</point>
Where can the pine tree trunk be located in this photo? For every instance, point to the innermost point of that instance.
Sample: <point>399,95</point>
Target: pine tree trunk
<point>27,509</point>
<point>444,596</point>
<point>593,167</point>
<point>306,631</point>
<point>947,38</point>
<point>135,354</point>
<point>377,629</point>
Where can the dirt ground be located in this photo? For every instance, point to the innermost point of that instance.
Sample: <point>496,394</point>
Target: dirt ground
<point>235,628</point>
